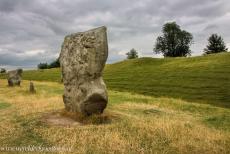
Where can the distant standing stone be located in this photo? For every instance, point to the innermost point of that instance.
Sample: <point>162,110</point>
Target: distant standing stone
<point>82,60</point>
<point>32,89</point>
<point>15,77</point>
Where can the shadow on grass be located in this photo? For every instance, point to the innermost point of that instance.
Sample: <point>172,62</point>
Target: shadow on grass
<point>221,121</point>
<point>4,105</point>
<point>194,96</point>
<point>28,136</point>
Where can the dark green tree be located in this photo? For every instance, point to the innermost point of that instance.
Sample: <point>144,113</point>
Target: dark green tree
<point>215,44</point>
<point>174,42</point>
<point>132,54</point>
<point>2,70</point>
<point>54,64</point>
<point>43,66</point>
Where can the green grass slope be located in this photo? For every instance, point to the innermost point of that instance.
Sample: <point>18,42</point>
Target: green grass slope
<point>204,79</point>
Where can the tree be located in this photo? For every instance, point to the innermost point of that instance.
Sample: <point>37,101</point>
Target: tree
<point>174,42</point>
<point>215,44</point>
<point>42,66</point>
<point>132,54</point>
<point>54,64</point>
<point>2,70</point>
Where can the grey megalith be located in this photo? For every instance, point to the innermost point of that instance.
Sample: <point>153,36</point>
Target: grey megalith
<point>82,58</point>
<point>14,77</point>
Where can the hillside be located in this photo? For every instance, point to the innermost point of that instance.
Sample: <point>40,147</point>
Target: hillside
<point>204,79</point>
<point>155,106</point>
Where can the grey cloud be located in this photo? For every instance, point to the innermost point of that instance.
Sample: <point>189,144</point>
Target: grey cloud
<point>31,25</point>
<point>210,27</point>
<point>26,58</point>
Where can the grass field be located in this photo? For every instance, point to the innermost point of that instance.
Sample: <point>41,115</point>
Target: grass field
<point>172,105</point>
<point>136,123</point>
<point>204,79</point>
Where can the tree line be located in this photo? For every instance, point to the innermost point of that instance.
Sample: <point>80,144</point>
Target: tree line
<point>53,64</point>
<point>175,42</point>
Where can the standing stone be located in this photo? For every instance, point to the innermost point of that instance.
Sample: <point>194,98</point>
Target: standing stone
<point>32,89</point>
<point>82,60</point>
<point>14,77</point>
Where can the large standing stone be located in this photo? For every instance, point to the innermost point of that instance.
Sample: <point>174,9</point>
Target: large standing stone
<point>14,77</point>
<point>82,60</point>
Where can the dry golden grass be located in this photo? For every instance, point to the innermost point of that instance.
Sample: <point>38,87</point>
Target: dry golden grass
<point>130,124</point>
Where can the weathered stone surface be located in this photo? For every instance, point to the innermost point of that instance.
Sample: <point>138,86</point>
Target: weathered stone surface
<point>32,89</point>
<point>14,77</point>
<point>82,60</point>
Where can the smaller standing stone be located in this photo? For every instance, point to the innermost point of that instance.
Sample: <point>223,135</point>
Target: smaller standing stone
<point>32,89</point>
<point>14,77</point>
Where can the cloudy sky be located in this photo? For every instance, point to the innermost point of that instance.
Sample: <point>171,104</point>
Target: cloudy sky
<point>32,31</point>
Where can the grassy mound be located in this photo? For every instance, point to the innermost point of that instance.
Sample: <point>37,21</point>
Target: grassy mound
<point>204,79</point>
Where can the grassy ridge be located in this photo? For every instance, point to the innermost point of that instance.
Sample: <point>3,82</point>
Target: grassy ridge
<point>204,79</point>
